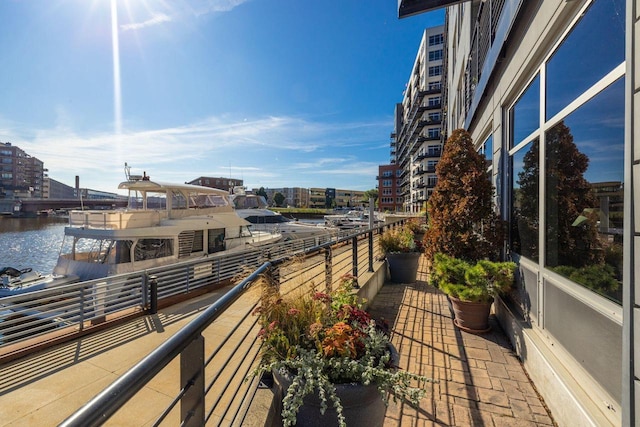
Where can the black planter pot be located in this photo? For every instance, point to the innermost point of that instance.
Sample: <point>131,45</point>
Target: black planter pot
<point>403,267</point>
<point>362,405</point>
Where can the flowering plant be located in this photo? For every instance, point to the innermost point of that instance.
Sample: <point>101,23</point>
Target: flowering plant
<point>322,339</point>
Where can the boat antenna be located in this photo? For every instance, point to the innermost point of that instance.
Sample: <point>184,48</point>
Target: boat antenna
<point>127,171</point>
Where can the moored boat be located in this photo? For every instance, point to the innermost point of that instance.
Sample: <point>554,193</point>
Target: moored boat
<point>163,224</point>
<point>16,282</point>
<point>254,208</point>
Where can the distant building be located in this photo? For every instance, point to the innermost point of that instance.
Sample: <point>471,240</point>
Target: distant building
<point>327,198</point>
<point>56,190</point>
<point>21,175</point>
<point>293,196</point>
<point>389,190</point>
<point>220,183</point>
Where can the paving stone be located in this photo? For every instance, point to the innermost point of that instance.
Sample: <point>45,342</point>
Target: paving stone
<point>497,370</point>
<point>500,421</point>
<point>493,397</point>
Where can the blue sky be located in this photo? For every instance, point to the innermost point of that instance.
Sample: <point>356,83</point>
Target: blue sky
<point>280,93</point>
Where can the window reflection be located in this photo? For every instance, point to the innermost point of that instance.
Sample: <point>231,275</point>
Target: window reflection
<point>525,115</point>
<point>525,173</point>
<point>584,194</point>
<point>594,47</point>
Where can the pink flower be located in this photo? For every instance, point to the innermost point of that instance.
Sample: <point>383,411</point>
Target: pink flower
<point>293,311</point>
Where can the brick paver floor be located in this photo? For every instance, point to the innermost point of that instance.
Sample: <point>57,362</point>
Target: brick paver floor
<point>481,382</point>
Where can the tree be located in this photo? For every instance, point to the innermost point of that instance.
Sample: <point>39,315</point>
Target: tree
<point>462,221</point>
<point>571,207</point>
<point>262,192</point>
<point>278,199</point>
<point>370,194</point>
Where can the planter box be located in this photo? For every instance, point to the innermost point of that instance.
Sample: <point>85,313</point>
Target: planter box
<point>403,267</point>
<point>362,405</point>
<point>471,317</point>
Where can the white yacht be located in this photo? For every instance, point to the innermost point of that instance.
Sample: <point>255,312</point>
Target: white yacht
<point>253,208</point>
<point>352,219</point>
<point>15,282</point>
<point>163,224</point>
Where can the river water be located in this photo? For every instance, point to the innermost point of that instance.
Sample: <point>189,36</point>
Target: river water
<point>31,242</point>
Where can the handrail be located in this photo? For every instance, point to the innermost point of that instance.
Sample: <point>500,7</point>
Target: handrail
<point>105,404</point>
<point>189,342</point>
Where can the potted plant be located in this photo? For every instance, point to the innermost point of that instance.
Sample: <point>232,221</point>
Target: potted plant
<point>402,253</point>
<point>471,287</point>
<point>331,363</point>
<point>464,225</point>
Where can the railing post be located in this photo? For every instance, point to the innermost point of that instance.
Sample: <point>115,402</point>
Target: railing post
<point>145,290</point>
<point>354,260</point>
<point>192,380</point>
<point>328,268</point>
<point>153,285</point>
<point>370,235</point>
<point>82,308</point>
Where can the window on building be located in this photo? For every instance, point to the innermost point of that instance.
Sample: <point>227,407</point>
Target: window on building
<point>435,55</point>
<point>435,70</point>
<point>435,85</point>
<point>434,116</point>
<point>433,132</point>
<point>436,39</point>
<point>580,221</point>
<point>434,101</point>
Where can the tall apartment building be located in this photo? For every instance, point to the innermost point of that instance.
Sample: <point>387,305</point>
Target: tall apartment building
<point>550,92</point>
<point>416,142</point>
<point>21,175</point>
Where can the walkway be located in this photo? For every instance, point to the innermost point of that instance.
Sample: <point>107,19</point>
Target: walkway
<point>481,382</point>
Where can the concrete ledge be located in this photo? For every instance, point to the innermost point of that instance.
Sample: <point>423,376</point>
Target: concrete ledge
<point>563,393</point>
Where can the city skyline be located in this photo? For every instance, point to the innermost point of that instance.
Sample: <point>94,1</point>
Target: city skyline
<point>278,94</point>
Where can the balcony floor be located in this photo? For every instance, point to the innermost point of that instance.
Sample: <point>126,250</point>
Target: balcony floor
<point>481,382</point>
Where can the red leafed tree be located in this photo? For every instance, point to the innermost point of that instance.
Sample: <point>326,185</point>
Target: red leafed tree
<point>462,220</point>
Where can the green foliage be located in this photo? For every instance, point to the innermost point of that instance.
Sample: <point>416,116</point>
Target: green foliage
<point>475,282</point>
<point>319,340</point>
<point>398,239</point>
<point>278,199</point>
<point>598,277</point>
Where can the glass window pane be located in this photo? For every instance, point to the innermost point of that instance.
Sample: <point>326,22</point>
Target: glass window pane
<point>525,115</point>
<point>525,176</point>
<point>584,193</point>
<point>594,47</point>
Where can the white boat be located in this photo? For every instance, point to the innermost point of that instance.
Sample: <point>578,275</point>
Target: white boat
<point>163,224</point>
<point>16,282</point>
<point>351,219</point>
<point>253,208</point>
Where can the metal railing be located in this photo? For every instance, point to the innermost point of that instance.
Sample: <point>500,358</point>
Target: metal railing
<point>69,310</point>
<point>212,387</point>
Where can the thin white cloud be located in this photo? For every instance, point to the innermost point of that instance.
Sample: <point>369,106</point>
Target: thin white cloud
<point>268,151</point>
<point>156,18</point>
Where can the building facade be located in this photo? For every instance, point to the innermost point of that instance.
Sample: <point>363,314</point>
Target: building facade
<point>21,175</point>
<point>295,196</point>
<point>389,190</point>
<point>416,142</point>
<point>330,198</point>
<point>548,90</point>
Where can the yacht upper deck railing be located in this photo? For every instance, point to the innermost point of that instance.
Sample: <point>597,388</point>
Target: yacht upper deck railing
<point>116,220</point>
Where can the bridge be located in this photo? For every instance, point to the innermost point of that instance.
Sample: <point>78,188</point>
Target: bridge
<point>31,207</point>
